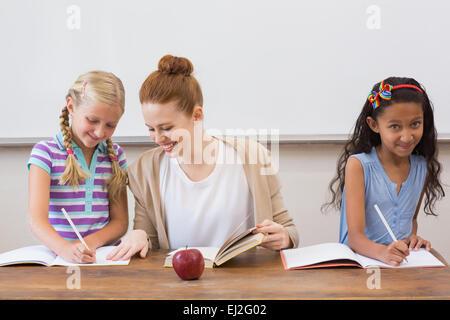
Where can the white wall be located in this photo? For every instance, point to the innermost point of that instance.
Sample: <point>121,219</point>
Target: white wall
<point>305,171</point>
<point>314,58</point>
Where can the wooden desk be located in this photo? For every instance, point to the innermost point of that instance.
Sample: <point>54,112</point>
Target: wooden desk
<point>256,274</point>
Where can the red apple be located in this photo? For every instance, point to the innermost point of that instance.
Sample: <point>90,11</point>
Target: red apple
<point>188,264</point>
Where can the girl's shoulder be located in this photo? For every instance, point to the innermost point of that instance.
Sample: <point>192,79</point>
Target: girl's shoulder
<point>419,163</point>
<point>45,153</point>
<point>364,158</point>
<point>367,162</point>
<point>119,150</point>
<point>49,146</point>
<point>120,155</point>
<point>419,159</point>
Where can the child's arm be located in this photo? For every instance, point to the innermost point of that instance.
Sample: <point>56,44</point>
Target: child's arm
<point>116,227</point>
<point>38,207</point>
<point>415,242</point>
<point>355,211</point>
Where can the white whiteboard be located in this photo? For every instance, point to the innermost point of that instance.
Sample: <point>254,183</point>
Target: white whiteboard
<point>303,67</point>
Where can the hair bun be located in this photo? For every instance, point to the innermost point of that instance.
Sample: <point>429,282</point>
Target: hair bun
<point>175,65</point>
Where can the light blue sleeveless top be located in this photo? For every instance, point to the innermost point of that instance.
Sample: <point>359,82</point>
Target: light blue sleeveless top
<point>398,209</point>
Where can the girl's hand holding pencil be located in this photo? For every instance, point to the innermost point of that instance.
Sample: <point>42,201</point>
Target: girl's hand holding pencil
<point>76,252</point>
<point>397,249</point>
<point>395,252</point>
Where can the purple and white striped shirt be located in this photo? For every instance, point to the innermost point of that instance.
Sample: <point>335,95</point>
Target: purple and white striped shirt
<point>87,205</point>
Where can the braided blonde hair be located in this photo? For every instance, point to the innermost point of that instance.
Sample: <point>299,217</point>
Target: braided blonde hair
<point>102,87</point>
<point>73,172</point>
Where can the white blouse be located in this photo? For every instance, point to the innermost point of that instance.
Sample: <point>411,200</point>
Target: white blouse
<point>204,213</point>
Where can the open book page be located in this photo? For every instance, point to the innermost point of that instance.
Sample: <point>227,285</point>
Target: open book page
<point>38,254</point>
<point>100,255</point>
<point>419,258</point>
<point>232,238</point>
<point>324,252</point>
<point>209,255</point>
<point>246,242</point>
<point>231,241</point>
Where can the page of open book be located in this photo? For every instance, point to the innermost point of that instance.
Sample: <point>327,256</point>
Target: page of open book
<point>32,254</point>
<point>243,244</point>
<point>419,258</point>
<point>318,253</point>
<point>100,256</point>
<point>231,242</point>
<point>208,253</point>
<point>235,235</point>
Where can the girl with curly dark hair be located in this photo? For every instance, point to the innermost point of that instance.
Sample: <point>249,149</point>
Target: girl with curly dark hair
<point>389,161</point>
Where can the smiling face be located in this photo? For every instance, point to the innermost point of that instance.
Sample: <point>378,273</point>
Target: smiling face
<point>168,126</point>
<point>400,127</point>
<point>93,123</point>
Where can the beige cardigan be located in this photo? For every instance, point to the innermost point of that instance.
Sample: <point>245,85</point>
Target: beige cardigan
<point>143,177</point>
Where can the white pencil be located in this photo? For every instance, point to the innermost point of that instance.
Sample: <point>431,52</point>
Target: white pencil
<point>74,228</point>
<point>386,225</point>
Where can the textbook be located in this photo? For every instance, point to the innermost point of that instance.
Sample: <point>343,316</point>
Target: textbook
<point>232,247</point>
<point>42,255</point>
<point>340,255</point>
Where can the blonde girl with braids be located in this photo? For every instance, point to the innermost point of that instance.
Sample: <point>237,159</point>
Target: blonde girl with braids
<point>82,171</point>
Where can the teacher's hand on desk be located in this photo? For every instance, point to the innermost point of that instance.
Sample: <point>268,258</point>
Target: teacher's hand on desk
<point>135,241</point>
<point>276,236</point>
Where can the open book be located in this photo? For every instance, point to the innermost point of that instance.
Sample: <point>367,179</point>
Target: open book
<point>338,255</point>
<point>234,245</point>
<point>40,254</point>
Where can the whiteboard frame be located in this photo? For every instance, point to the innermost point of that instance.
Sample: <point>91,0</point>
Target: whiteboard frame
<point>142,140</point>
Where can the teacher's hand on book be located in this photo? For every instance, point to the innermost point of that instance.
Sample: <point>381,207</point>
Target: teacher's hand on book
<point>276,236</point>
<point>135,241</point>
<point>76,252</point>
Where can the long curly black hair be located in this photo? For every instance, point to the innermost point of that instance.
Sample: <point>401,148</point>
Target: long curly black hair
<point>363,139</point>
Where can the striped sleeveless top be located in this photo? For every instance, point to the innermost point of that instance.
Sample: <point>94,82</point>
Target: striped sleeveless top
<point>87,205</point>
